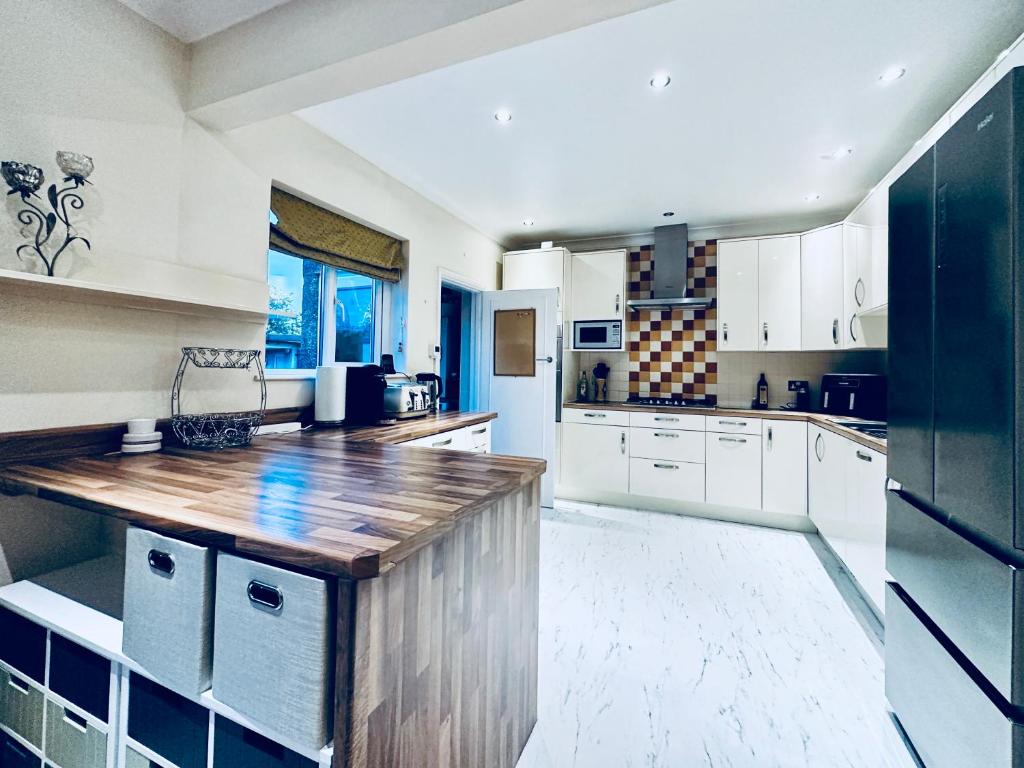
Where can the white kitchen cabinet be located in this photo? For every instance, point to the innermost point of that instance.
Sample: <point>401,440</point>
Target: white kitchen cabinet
<point>784,466</point>
<point>778,293</point>
<point>595,457</point>
<point>864,549</point>
<point>821,289</point>
<point>538,268</point>
<point>671,444</point>
<point>858,282</point>
<point>598,285</point>
<point>667,479</point>
<point>736,300</point>
<point>741,425</point>
<point>826,485</point>
<point>733,470</point>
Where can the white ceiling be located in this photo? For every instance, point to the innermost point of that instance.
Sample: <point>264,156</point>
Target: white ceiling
<point>191,20</point>
<point>759,92</point>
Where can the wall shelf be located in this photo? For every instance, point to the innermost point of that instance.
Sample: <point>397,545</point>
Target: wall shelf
<point>84,292</point>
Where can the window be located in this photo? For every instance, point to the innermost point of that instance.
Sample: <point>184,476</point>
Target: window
<point>319,313</point>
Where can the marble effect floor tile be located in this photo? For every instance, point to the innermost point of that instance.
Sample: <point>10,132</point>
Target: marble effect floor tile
<point>675,642</point>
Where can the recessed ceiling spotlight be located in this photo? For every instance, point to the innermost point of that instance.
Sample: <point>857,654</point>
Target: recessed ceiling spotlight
<point>503,116</point>
<point>669,214</point>
<point>660,80</point>
<point>892,74</point>
<point>528,222</point>
<point>839,154</point>
<point>812,197</point>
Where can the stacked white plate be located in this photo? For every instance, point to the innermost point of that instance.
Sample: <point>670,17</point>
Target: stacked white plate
<point>140,437</point>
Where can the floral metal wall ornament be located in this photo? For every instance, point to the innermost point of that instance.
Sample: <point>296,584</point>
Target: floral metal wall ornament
<point>26,180</point>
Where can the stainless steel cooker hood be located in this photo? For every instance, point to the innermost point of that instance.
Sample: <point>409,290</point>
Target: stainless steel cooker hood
<point>669,278</point>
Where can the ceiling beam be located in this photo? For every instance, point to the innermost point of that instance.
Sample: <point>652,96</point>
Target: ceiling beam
<point>308,52</point>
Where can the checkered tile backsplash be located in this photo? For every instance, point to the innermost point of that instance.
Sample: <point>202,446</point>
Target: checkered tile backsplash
<point>674,354</point>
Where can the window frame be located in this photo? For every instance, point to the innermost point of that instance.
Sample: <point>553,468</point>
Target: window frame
<point>327,319</point>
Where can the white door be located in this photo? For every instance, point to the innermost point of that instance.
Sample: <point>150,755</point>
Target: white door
<point>865,528</point>
<point>598,285</point>
<point>733,471</point>
<point>784,466</point>
<point>857,280</point>
<point>821,289</point>
<point>778,293</point>
<point>826,486</point>
<point>522,395</point>
<point>737,296</point>
<point>595,457</point>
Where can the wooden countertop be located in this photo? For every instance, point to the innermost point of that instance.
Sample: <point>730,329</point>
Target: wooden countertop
<point>344,502</point>
<point>822,420</point>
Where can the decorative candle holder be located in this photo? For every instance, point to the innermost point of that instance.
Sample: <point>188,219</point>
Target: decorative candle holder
<point>25,180</point>
<point>217,430</point>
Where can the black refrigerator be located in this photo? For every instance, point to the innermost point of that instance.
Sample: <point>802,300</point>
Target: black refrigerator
<point>955,530</point>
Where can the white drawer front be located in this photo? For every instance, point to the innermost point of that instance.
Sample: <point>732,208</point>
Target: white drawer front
<point>596,416</point>
<point>480,436</point>
<point>676,480</point>
<point>742,425</point>
<point>455,440</point>
<point>667,420</point>
<point>670,444</point>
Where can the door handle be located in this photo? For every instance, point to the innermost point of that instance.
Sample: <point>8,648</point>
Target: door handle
<point>819,447</point>
<point>724,439</point>
<point>835,331</point>
<point>859,292</point>
<point>595,415</point>
<point>765,330</point>
<point>731,423</point>
<point>863,456</point>
<point>618,302</point>
<point>852,334</point>
<point>769,438</point>
<point>548,359</point>
<point>622,442</point>
<point>673,435</point>
<point>666,466</point>
<point>666,418</point>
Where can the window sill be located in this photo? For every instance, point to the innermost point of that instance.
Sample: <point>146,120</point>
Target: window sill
<point>282,374</point>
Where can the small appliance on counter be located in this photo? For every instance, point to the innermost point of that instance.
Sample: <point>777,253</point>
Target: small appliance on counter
<point>601,371</point>
<point>862,395</point>
<point>329,399</point>
<point>801,396</point>
<point>406,399</point>
<point>435,388</point>
<point>364,395</point>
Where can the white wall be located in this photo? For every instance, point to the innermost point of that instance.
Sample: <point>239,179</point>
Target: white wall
<point>174,208</point>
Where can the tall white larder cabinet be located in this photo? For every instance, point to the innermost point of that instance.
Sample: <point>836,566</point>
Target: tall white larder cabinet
<point>736,299</point>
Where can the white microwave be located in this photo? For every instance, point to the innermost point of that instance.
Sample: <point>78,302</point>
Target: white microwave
<point>597,334</point>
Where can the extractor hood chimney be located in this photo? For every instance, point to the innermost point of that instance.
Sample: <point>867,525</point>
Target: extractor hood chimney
<point>669,278</point>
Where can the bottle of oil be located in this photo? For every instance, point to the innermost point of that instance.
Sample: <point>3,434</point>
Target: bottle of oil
<point>762,392</point>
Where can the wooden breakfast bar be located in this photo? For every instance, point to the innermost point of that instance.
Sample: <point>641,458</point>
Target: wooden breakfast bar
<point>434,555</point>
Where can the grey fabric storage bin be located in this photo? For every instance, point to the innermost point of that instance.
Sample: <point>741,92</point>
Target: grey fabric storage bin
<point>71,742</point>
<point>21,708</point>
<point>168,609</point>
<point>275,663</point>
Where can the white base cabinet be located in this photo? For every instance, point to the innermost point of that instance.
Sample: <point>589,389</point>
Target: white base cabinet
<point>734,470</point>
<point>667,479</point>
<point>826,485</point>
<point>784,466</point>
<point>595,457</point>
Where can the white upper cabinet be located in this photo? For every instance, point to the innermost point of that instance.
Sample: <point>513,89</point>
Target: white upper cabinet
<point>784,466</point>
<point>821,288</point>
<point>599,285</point>
<point>538,268</point>
<point>858,281</point>
<point>737,296</point>
<point>778,293</point>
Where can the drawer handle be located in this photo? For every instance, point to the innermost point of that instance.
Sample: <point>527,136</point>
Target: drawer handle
<point>727,422</point>
<point>666,466</point>
<point>479,431</point>
<point>162,562</point>
<point>265,595</point>
<point>18,684</point>
<point>442,444</point>
<point>724,439</point>
<point>596,415</point>
<point>75,720</point>
<point>863,456</point>
<point>667,434</point>
<point>669,419</point>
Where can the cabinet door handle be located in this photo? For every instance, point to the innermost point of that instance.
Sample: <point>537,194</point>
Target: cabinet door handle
<point>835,331</point>
<point>769,438</point>
<point>618,302</point>
<point>859,292</point>
<point>673,435</point>
<point>853,335</point>
<point>596,415</point>
<point>666,466</point>
<point>669,419</point>
<point>725,332</point>
<point>819,447</point>
<point>765,332</point>
<point>724,422</point>
<point>725,439</point>
<point>622,442</point>
<point>863,456</point>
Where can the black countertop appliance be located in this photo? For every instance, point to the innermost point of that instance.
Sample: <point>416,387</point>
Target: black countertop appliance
<point>861,395</point>
<point>954,624</point>
<point>364,395</point>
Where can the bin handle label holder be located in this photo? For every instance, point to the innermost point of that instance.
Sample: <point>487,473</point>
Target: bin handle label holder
<point>265,596</point>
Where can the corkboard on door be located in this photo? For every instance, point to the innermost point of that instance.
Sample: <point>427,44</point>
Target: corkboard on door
<point>515,349</point>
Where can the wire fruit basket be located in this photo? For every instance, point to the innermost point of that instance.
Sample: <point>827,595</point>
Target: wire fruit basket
<point>217,430</point>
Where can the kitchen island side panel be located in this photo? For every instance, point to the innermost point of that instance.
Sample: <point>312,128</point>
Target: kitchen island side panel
<point>445,656</point>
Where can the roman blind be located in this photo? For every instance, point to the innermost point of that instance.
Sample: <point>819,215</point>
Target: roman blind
<point>307,230</point>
